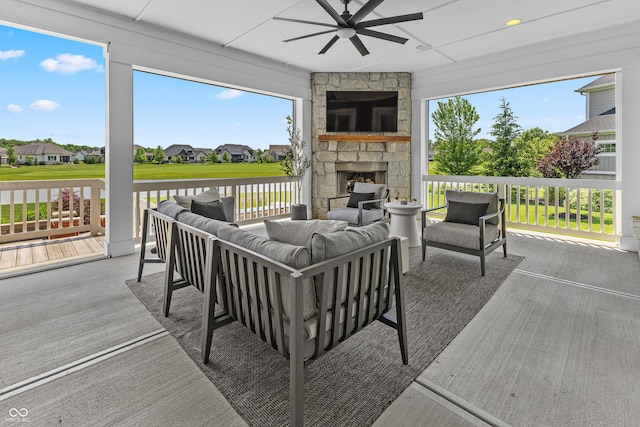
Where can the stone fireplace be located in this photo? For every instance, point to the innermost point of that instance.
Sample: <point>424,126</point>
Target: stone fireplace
<point>339,160</point>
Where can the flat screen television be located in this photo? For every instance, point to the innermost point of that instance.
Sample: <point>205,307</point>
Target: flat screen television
<point>362,111</point>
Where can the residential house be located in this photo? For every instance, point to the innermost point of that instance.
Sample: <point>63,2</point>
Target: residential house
<point>4,158</point>
<point>82,155</point>
<point>238,153</point>
<point>202,154</point>
<point>186,152</point>
<point>42,153</point>
<point>277,152</point>
<point>600,113</point>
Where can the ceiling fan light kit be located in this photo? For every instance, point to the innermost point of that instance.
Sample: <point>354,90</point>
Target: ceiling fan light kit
<point>349,26</point>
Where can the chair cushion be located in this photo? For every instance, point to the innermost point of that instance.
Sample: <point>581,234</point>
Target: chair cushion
<point>212,210</point>
<point>466,213</point>
<point>355,198</point>
<point>475,197</point>
<point>299,233</point>
<point>380,191</point>
<point>461,235</point>
<point>351,215</point>
<point>209,195</point>
<point>170,209</point>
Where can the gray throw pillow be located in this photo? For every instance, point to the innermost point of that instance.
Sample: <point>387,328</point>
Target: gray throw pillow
<point>209,195</point>
<point>360,197</point>
<point>465,213</point>
<point>213,210</point>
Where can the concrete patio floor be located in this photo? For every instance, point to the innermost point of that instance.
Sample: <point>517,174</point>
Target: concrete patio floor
<point>557,345</point>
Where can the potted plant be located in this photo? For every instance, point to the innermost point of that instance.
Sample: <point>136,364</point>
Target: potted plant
<point>295,165</point>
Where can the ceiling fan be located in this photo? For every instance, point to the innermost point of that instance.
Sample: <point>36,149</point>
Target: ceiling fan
<point>349,26</point>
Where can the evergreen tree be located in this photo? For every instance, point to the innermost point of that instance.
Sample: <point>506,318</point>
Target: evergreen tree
<point>505,129</point>
<point>213,157</point>
<point>11,156</point>
<point>226,158</point>
<point>456,152</point>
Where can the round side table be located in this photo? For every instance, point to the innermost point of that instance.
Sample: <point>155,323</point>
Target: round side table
<point>403,221</point>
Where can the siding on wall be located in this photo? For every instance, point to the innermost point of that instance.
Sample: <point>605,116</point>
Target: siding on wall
<point>601,101</point>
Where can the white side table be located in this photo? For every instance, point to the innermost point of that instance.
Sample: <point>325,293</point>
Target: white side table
<point>403,221</point>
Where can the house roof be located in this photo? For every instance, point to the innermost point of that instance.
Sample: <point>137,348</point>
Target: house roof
<point>177,149</point>
<point>40,148</point>
<point>599,83</point>
<point>236,149</point>
<point>604,122</point>
<point>278,149</point>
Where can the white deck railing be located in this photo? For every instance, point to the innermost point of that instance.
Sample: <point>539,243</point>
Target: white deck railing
<point>30,209</point>
<point>50,208</point>
<point>548,205</point>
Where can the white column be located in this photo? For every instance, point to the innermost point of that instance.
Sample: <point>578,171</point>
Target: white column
<point>627,108</point>
<point>419,152</point>
<point>119,159</point>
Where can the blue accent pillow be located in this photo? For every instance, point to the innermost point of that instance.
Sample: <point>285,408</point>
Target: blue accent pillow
<point>466,213</point>
<point>360,197</point>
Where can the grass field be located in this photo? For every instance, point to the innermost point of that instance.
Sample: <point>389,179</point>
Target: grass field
<point>144,171</point>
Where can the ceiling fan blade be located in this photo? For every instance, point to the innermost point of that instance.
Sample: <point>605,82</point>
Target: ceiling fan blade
<point>364,11</point>
<point>309,35</point>
<point>300,21</point>
<point>390,20</point>
<point>383,36</point>
<point>331,11</point>
<point>359,45</point>
<point>328,45</point>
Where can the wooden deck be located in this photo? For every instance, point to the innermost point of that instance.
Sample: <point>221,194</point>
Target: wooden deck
<point>15,257</point>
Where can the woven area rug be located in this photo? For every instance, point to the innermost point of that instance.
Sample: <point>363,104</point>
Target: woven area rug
<point>354,383</point>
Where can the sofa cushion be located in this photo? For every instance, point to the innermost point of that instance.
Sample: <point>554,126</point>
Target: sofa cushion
<point>461,235</point>
<point>476,197</point>
<point>294,256</point>
<point>466,213</point>
<point>211,226</point>
<point>228,208</point>
<point>170,209</point>
<point>209,195</point>
<point>212,210</point>
<point>355,198</point>
<point>299,233</point>
<point>351,215</point>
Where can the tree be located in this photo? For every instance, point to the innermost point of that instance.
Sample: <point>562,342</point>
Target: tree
<point>295,163</point>
<point>213,157</point>
<point>259,152</point>
<point>456,152</point>
<point>140,157</point>
<point>505,129</point>
<point>570,157</point>
<point>226,158</point>
<point>531,147</point>
<point>11,156</point>
<point>177,159</point>
<point>158,155</point>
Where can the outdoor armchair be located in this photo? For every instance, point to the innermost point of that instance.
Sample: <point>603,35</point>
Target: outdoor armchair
<point>475,224</point>
<point>365,205</point>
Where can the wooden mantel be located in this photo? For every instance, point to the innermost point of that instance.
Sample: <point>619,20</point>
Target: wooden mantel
<point>364,138</point>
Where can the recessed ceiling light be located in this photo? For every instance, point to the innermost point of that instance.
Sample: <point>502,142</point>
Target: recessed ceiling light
<point>513,22</point>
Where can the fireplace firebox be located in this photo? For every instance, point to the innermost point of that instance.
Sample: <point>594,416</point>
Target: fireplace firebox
<point>348,173</point>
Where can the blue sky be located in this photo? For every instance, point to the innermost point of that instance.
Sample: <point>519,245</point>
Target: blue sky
<point>52,87</point>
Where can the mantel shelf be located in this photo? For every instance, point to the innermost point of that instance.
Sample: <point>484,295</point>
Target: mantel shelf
<point>364,138</point>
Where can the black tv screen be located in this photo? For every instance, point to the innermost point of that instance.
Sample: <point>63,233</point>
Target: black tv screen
<point>362,111</point>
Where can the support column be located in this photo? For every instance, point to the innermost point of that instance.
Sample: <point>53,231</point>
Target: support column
<point>628,131</point>
<point>119,159</point>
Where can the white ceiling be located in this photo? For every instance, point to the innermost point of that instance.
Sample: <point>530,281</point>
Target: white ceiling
<point>456,30</point>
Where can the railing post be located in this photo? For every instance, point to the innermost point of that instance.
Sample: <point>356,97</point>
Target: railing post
<point>95,211</point>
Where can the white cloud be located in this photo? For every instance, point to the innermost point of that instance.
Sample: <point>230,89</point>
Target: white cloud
<point>66,63</point>
<point>11,54</point>
<point>229,94</point>
<point>13,108</point>
<point>44,104</point>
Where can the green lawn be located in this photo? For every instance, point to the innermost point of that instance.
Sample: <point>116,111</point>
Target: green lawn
<point>144,171</point>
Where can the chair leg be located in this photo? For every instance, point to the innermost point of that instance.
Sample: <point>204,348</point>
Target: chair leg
<point>143,244</point>
<point>504,249</point>
<point>424,250</point>
<point>482,262</point>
